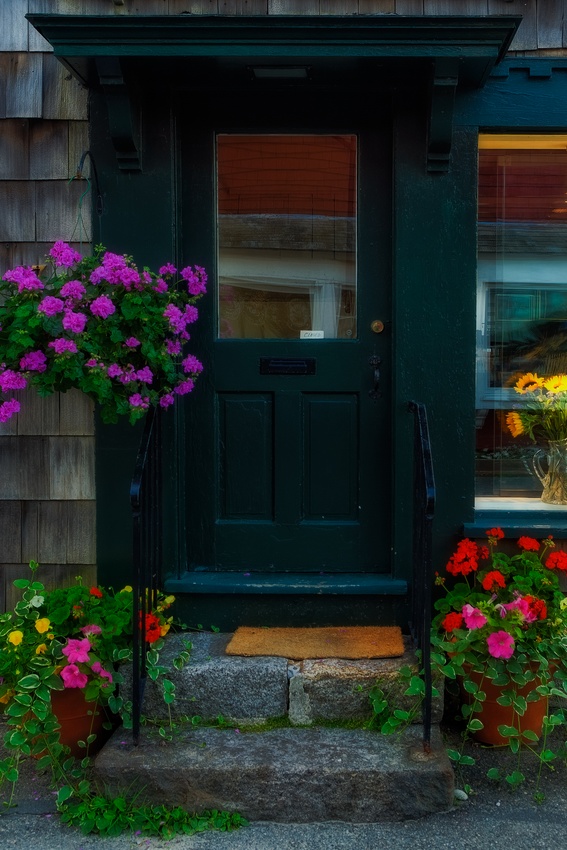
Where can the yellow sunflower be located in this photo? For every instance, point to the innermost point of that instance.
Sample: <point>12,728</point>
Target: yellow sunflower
<point>514,423</point>
<point>528,383</point>
<point>556,384</point>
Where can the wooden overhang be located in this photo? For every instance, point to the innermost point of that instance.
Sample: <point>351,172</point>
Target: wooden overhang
<point>188,51</point>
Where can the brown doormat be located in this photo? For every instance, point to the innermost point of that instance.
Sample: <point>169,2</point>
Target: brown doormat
<point>332,642</point>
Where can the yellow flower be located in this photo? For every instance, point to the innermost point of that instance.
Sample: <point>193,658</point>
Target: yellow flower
<point>164,629</point>
<point>514,423</point>
<point>126,589</point>
<point>528,383</point>
<point>41,648</point>
<point>7,697</point>
<point>42,625</point>
<point>50,635</point>
<point>169,600</point>
<point>16,637</point>
<point>556,384</point>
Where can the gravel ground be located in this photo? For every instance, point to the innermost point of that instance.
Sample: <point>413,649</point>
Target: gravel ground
<point>492,817</point>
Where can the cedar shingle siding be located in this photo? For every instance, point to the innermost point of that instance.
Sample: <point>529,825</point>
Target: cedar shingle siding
<point>47,491</point>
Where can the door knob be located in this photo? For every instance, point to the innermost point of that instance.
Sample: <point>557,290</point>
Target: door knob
<point>377,326</point>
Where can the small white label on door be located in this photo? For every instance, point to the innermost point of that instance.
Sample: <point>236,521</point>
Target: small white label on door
<point>311,334</point>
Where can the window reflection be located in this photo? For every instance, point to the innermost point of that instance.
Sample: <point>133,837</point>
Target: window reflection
<point>522,295</point>
<point>286,236</point>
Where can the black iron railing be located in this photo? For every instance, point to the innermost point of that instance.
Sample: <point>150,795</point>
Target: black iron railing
<point>423,510</point>
<point>145,500</point>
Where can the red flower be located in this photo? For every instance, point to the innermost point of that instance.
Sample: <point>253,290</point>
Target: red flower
<point>528,543</point>
<point>495,533</point>
<point>452,621</point>
<point>493,580</point>
<point>484,553</point>
<point>94,591</point>
<point>537,607</point>
<point>465,559</point>
<point>153,628</point>
<point>557,560</point>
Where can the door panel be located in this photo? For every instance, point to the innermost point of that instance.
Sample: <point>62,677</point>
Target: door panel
<point>294,474</point>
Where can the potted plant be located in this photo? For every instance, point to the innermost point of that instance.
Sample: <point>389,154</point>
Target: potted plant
<point>501,631</point>
<point>66,645</point>
<point>101,325</point>
<point>543,416</point>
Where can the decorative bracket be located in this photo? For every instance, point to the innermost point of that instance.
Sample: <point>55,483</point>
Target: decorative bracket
<point>444,80</point>
<point>123,115</point>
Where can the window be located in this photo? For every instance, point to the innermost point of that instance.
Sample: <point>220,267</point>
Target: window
<point>521,301</point>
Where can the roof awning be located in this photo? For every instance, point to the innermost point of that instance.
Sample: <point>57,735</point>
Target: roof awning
<point>453,51</point>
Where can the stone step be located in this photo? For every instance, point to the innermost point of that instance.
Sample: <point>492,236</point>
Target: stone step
<point>252,690</point>
<point>289,775</point>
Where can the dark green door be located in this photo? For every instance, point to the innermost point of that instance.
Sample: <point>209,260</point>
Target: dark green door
<point>289,445</point>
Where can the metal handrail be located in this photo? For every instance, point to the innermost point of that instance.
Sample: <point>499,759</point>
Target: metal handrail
<point>145,501</point>
<point>422,597</point>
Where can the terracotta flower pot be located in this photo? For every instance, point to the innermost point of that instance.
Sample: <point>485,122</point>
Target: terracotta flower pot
<point>492,714</point>
<point>72,712</point>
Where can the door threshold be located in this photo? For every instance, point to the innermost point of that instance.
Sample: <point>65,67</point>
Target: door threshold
<point>232,582</point>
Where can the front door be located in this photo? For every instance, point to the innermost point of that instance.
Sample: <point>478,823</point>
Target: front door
<point>288,434</point>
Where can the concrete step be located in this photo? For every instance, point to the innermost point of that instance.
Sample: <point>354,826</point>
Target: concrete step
<point>252,690</point>
<point>289,775</point>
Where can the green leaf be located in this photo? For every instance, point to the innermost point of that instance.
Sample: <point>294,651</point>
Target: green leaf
<point>475,725</point>
<point>21,583</point>
<point>508,731</point>
<point>63,794</point>
<point>515,778</point>
<point>494,774</point>
<point>467,760</point>
<point>30,682</point>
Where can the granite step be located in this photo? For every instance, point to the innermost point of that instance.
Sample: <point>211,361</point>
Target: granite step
<point>253,690</point>
<point>288,775</point>
<point>298,767</point>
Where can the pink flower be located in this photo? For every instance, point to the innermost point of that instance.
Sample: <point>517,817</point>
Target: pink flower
<point>166,400</point>
<point>98,668</point>
<point>35,361</point>
<point>74,322</point>
<point>25,277</point>
<point>132,342</point>
<point>102,307</point>
<point>161,286</point>
<point>173,346</point>
<point>167,269</point>
<point>91,629</point>
<point>114,371</point>
<point>136,400</point>
<point>500,644</point>
<point>175,318</point>
<point>73,289</point>
<point>191,365</point>
<point>145,375</point>
<point>184,387</point>
<point>77,650</point>
<point>8,409</point>
<point>61,345</point>
<point>10,380</point>
<point>72,677</point>
<point>196,279</point>
<point>51,306</point>
<point>474,618</point>
<point>63,255</point>
<point>191,314</point>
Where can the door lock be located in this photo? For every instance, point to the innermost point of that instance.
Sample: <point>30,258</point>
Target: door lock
<point>377,326</point>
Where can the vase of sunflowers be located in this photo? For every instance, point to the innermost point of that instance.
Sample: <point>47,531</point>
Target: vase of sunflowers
<point>543,416</point>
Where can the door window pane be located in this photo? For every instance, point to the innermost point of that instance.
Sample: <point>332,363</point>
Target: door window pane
<point>522,297</point>
<point>286,229</point>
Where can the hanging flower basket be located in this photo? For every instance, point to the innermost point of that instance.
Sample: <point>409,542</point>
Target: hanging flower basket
<point>101,325</point>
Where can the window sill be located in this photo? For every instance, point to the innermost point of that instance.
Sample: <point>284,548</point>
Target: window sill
<point>517,517</point>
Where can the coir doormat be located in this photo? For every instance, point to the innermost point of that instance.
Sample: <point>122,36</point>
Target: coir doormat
<point>332,642</point>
